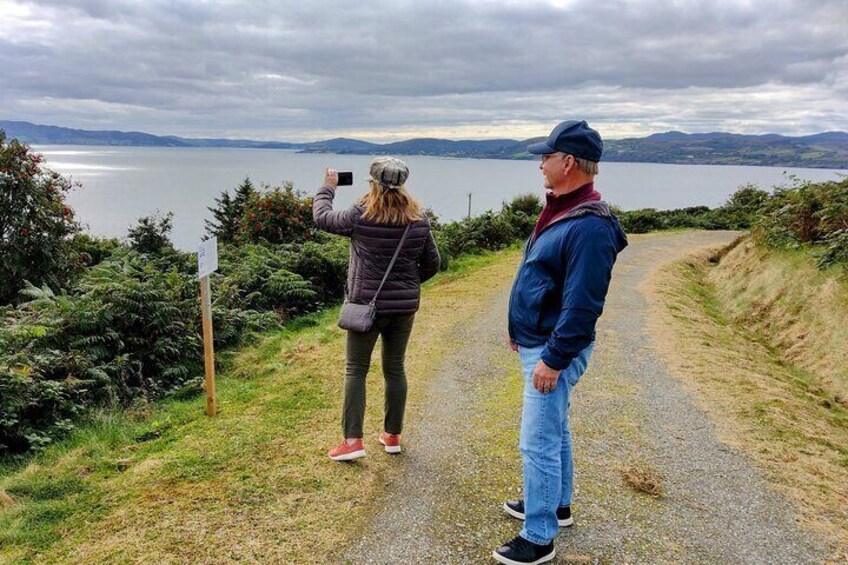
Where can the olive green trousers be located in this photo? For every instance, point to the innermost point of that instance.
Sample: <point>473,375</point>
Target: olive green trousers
<point>395,331</point>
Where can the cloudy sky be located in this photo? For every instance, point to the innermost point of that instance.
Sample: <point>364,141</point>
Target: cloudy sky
<point>388,70</point>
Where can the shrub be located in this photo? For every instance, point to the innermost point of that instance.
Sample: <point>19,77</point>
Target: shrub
<point>152,234</point>
<point>277,215</point>
<point>529,204</point>
<point>744,207</point>
<point>813,215</point>
<point>488,232</point>
<point>90,250</point>
<point>229,212</point>
<point>129,329</point>
<point>835,249</point>
<point>324,265</point>
<point>807,213</point>
<point>641,221</point>
<point>444,249</point>
<point>258,277</point>
<point>35,223</point>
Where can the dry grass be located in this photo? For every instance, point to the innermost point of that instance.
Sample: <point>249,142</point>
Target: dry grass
<point>774,395</point>
<point>5,499</point>
<point>643,479</point>
<point>799,310</point>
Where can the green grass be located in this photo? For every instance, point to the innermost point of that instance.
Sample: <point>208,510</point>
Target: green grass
<point>137,484</point>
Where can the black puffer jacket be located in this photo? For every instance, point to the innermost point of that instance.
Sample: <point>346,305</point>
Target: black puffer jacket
<point>371,249</point>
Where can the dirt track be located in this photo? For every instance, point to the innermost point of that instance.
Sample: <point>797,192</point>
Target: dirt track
<point>627,411</point>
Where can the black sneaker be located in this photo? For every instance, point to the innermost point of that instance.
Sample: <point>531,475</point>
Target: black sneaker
<point>519,551</point>
<point>515,508</point>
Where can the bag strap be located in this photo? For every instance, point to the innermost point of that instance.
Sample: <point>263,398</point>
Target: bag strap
<point>391,264</point>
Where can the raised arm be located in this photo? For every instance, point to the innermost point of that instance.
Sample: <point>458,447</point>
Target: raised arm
<point>339,222</point>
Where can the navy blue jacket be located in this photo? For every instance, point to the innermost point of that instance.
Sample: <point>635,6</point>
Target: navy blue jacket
<point>562,283</point>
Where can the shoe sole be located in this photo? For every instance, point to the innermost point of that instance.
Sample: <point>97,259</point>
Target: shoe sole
<point>562,523</point>
<point>501,559</point>
<point>393,449</point>
<point>349,456</point>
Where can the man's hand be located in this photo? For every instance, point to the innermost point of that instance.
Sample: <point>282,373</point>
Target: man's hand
<point>331,178</point>
<point>545,378</point>
<point>513,345</point>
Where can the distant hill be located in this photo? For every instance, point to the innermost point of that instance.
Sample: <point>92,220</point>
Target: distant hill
<point>823,150</point>
<point>52,135</point>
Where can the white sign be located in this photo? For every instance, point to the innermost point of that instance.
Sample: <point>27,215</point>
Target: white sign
<point>207,258</point>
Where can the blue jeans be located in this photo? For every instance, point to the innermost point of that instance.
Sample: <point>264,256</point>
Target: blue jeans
<point>546,445</point>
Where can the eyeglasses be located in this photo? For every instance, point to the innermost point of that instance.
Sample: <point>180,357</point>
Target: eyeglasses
<point>547,156</point>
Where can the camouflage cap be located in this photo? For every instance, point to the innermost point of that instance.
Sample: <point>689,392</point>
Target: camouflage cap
<point>389,172</point>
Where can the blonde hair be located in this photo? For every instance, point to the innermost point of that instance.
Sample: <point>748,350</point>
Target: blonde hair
<point>391,206</point>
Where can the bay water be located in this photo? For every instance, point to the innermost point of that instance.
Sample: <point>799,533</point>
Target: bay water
<point>118,185</point>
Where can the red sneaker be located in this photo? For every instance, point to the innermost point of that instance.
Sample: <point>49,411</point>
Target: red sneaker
<point>391,442</point>
<point>347,452</point>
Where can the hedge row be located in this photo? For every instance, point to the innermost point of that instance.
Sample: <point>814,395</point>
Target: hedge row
<point>812,216</point>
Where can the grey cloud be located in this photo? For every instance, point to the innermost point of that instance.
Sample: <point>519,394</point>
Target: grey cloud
<point>210,67</point>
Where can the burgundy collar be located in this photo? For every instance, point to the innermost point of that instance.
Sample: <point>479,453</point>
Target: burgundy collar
<point>557,205</point>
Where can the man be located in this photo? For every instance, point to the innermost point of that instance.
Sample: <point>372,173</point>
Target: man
<point>556,299</point>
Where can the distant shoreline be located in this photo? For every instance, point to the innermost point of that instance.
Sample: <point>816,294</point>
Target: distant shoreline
<point>38,146</point>
<point>828,150</point>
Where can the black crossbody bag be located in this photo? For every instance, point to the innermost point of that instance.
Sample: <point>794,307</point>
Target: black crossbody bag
<point>360,317</point>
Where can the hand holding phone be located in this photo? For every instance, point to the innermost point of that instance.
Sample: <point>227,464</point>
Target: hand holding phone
<point>345,178</point>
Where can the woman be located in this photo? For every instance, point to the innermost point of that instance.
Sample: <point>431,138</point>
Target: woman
<point>375,225</point>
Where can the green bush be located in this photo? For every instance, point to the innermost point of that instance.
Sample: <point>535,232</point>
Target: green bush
<point>528,204</point>
<point>258,277</point>
<point>129,329</point>
<point>744,207</point>
<point>36,225</point>
<point>324,264</point>
<point>90,250</point>
<point>229,212</point>
<point>641,221</point>
<point>811,215</point>
<point>151,234</point>
<point>490,231</point>
<point>444,250</point>
<point>835,249</point>
<point>277,215</point>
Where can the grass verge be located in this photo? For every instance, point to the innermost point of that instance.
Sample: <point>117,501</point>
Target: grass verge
<point>736,355</point>
<point>164,483</point>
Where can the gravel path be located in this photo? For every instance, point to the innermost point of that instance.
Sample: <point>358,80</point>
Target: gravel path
<point>409,529</point>
<point>627,411</point>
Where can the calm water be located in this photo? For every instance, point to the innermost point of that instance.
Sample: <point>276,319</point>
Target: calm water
<point>121,184</point>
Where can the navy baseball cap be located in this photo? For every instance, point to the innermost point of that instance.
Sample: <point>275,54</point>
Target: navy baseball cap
<point>572,137</point>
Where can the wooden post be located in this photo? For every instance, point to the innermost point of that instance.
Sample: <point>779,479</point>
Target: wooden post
<point>208,348</point>
<point>469,205</point>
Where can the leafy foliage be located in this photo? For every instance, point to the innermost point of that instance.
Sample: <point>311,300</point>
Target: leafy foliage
<point>35,223</point>
<point>256,277</point>
<point>277,215</point>
<point>739,212</point>
<point>529,204</point>
<point>129,329</point>
<point>228,212</point>
<point>489,231</point>
<point>813,215</point>
<point>90,250</point>
<point>152,234</point>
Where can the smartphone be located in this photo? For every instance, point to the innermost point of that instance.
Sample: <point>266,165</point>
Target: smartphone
<point>345,178</point>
